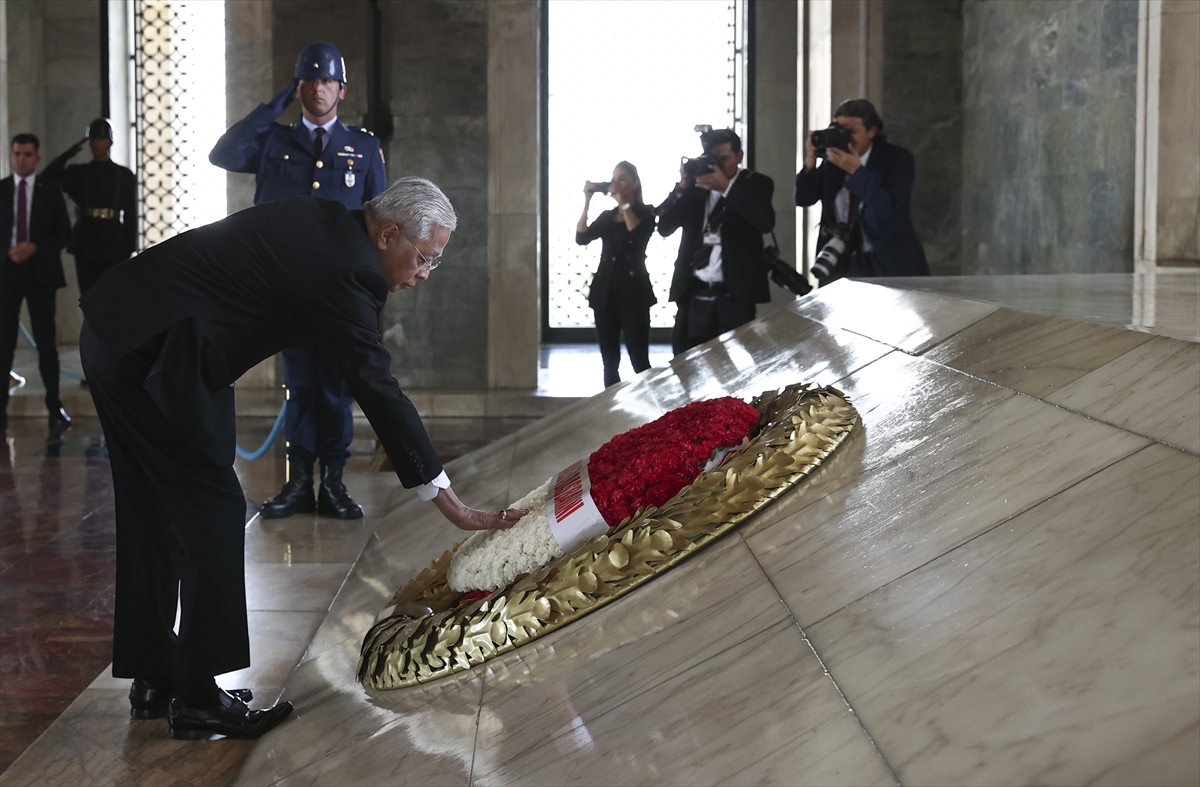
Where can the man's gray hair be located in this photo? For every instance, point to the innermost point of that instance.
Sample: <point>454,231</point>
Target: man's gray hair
<point>416,205</point>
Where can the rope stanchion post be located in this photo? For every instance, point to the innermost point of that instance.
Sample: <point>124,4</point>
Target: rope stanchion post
<point>276,430</point>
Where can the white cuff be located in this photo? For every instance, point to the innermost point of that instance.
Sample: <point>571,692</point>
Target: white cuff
<point>430,491</point>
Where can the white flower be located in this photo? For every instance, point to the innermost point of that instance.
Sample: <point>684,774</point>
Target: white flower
<point>494,558</point>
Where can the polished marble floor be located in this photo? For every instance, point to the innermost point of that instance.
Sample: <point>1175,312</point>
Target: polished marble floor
<point>996,580</point>
<point>57,569</point>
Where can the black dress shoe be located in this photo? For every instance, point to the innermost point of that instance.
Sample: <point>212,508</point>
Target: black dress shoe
<point>149,698</point>
<point>227,716</point>
<point>333,499</point>
<point>59,417</point>
<point>296,497</point>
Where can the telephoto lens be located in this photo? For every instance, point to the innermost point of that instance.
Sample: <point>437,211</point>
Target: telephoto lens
<point>830,254</point>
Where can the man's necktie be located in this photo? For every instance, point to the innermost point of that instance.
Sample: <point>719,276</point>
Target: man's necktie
<point>854,202</point>
<point>319,142</point>
<point>22,214</point>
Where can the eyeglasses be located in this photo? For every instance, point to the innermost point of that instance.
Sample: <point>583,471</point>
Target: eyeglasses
<point>428,263</point>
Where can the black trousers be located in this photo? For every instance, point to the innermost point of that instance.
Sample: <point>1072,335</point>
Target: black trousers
<point>180,531</point>
<point>705,313</point>
<point>319,421</point>
<point>617,317</point>
<point>18,283</point>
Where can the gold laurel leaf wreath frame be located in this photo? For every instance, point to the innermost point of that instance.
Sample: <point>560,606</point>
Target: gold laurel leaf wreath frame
<point>802,426</point>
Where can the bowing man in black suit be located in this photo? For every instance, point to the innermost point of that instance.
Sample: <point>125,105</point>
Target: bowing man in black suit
<point>35,227</point>
<point>719,273</point>
<point>621,294</point>
<point>165,336</point>
<point>866,195</point>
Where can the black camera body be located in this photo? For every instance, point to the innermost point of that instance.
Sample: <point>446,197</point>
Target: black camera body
<point>602,187</point>
<point>701,165</point>
<point>784,274</point>
<point>833,137</point>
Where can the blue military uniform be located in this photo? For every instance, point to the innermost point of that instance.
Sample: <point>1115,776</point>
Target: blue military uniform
<point>350,170</point>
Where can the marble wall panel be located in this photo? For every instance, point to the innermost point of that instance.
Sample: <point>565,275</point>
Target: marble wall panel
<point>1048,119</point>
<point>434,85</point>
<point>513,76</point>
<point>922,92</point>
<point>248,79</point>
<point>297,23</point>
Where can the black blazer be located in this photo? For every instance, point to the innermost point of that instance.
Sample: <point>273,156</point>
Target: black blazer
<point>748,216</point>
<point>622,271</point>
<point>884,187</point>
<point>49,228</point>
<point>294,271</point>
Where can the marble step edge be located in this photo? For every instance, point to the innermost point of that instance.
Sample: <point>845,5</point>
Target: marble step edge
<point>265,402</point>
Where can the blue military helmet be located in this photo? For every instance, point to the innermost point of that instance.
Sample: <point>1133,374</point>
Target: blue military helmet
<point>321,61</point>
<point>100,128</point>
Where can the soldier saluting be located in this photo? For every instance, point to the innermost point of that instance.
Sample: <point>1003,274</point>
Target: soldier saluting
<point>105,196</point>
<point>316,156</point>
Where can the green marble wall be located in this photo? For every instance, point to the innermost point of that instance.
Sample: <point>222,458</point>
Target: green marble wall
<point>1049,91</point>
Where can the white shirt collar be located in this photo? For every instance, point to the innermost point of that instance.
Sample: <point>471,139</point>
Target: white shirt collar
<point>28,179</point>
<point>312,127</point>
<point>725,193</point>
<point>866,155</point>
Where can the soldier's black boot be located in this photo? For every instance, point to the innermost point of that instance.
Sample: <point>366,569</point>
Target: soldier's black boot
<point>296,497</point>
<point>333,499</point>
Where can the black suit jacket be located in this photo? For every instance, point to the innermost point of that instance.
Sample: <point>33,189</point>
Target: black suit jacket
<point>49,228</point>
<point>622,271</point>
<point>748,216</point>
<point>884,187</point>
<point>294,271</point>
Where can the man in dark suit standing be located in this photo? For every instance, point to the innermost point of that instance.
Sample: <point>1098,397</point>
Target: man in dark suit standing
<point>719,273</point>
<point>165,336</point>
<point>866,201</point>
<point>35,228</point>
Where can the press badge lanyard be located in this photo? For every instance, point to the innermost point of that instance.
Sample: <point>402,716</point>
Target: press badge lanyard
<point>712,235</point>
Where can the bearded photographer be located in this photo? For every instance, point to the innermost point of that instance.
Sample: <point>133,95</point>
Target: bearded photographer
<point>724,210</point>
<point>865,188</point>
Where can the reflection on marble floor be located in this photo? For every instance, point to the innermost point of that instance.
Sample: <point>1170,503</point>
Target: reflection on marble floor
<point>996,580</point>
<point>56,587</point>
<point>1165,302</point>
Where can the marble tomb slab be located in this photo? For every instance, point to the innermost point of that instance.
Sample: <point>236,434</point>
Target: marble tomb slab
<point>1058,648</point>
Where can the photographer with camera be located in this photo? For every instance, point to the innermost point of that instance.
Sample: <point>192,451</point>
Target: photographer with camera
<point>724,210</point>
<point>865,189</point>
<point>621,294</point>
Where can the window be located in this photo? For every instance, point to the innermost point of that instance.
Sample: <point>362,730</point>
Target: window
<point>627,81</point>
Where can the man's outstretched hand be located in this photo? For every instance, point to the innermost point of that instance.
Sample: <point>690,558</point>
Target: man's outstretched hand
<point>465,518</point>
